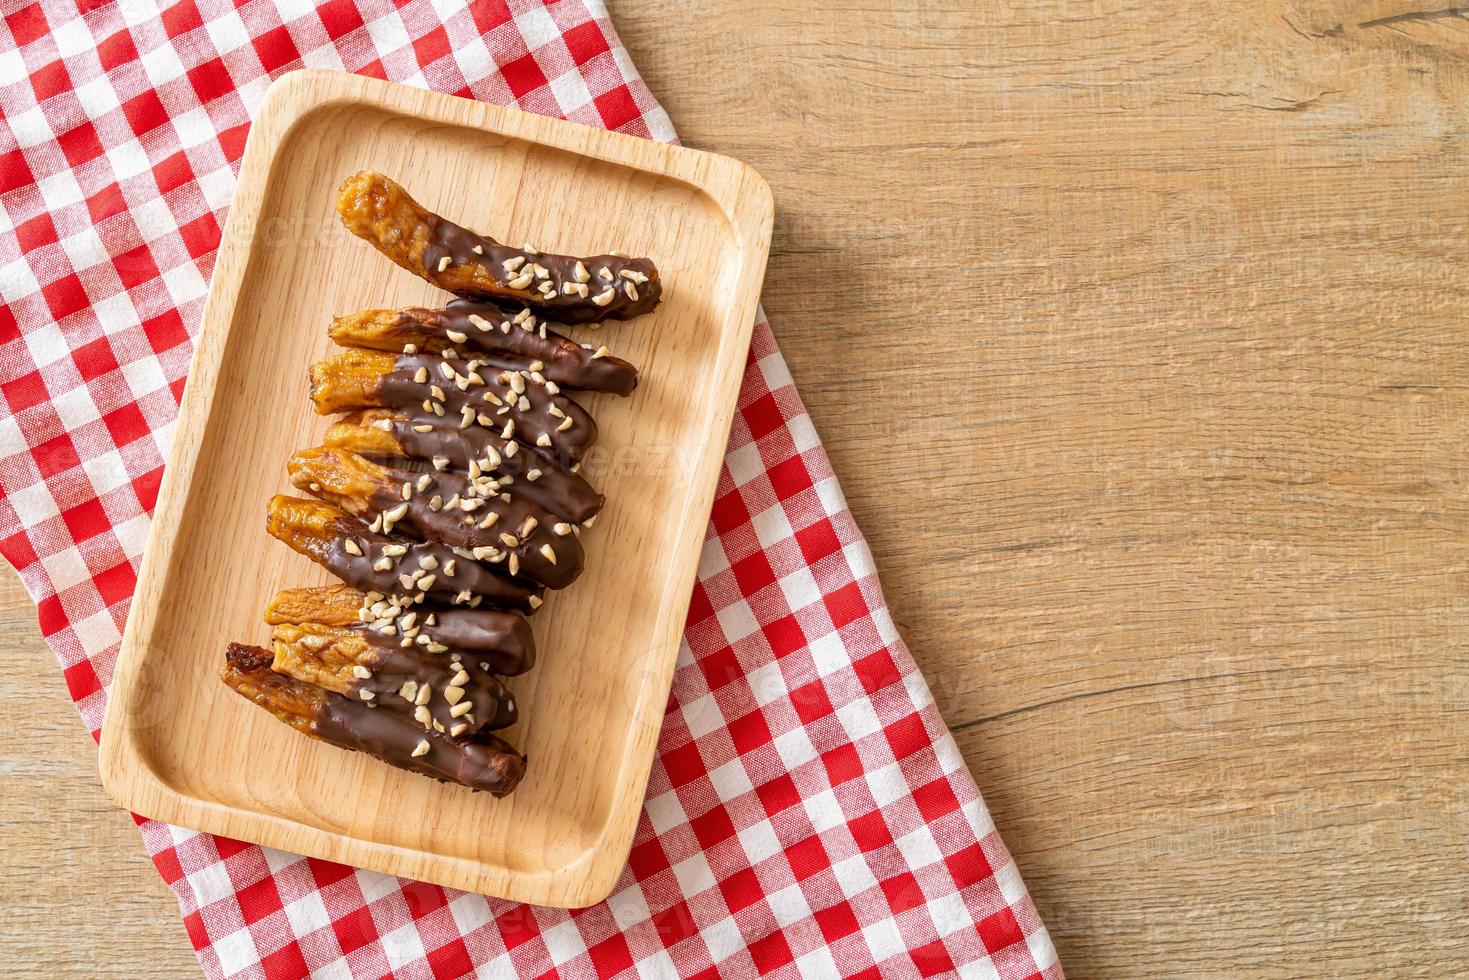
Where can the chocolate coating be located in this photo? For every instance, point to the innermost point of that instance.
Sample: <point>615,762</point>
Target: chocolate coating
<point>357,571</point>
<point>501,639</point>
<point>463,247</point>
<point>564,494</point>
<point>462,530</point>
<point>487,763</point>
<point>568,363</point>
<point>398,389</point>
<point>494,705</point>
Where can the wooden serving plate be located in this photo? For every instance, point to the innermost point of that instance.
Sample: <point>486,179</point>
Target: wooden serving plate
<point>178,746</point>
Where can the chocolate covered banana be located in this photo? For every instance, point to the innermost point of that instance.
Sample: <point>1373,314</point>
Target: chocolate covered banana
<point>523,405</point>
<point>507,341</point>
<point>463,511</point>
<point>440,691</point>
<point>366,558</point>
<point>390,433</point>
<point>484,763</point>
<point>563,287</point>
<point>498,640</point>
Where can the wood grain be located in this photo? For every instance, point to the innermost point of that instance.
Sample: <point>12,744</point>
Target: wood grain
<point>1159,311</point>
<point>178,747</point>
<point>80,897</point>
<point>1184,399</point>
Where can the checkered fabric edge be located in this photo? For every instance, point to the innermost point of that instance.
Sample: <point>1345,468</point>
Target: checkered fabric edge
<point>809,815</point>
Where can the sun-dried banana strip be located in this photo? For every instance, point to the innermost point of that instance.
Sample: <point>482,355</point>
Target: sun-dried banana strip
<point>387,433</point>
<point>370,560</point>
<point>467,514</point>
<point>498,640</point>
<point>562,287</point>
<point>441,691</point>
<point>506,340</point>
<point>467,394</point>
<point>484,763</point>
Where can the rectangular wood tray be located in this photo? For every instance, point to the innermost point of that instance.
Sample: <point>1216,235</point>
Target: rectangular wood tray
<point>178,746</point>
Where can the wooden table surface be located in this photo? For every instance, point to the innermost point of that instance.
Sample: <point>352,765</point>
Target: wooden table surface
<point>1136,333</point>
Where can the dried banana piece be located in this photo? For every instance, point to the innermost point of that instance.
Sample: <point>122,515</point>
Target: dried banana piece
<point>247,671</point>
<point>366,558</point>
<point>329,605</point>
<point>441,691</point>
<point>439,390</point>
<point>380,432</point>
<point>562,287</point>
<point>505,340</point>
<point>466,513</point>
<point>497,640</point>
<point>484,763</point>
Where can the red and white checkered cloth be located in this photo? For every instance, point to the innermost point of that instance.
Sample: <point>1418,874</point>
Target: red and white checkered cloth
<point>809,815</point>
